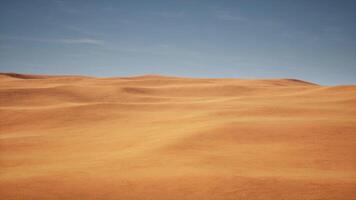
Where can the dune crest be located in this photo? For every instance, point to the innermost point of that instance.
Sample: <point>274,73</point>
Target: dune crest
<point>162,137</point>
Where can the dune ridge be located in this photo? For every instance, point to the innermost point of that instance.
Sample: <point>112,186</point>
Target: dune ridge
<point>165,137</point>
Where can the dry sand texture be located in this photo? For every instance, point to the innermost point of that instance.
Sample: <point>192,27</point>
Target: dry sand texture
<point>154,137</point>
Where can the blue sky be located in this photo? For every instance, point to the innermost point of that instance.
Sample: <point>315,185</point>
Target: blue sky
<point>312,40</point>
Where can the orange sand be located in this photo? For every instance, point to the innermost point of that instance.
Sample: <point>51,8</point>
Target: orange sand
<point>154,137</point>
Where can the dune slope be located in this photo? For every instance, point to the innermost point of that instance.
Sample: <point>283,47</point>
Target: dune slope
<point>155,137</point>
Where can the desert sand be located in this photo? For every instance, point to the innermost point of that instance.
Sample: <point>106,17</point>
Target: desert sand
<point>172,138</point>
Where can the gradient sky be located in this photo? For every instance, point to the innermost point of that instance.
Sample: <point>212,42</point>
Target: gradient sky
<point>313,40</point>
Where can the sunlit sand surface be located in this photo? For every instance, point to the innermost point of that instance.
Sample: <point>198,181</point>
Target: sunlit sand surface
<point>155,137</point>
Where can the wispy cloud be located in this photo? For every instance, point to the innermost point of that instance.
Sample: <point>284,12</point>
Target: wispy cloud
<point>83,31</point>
<point>80,41</point>
<point>88,41</point>
<point>169,14</point>
<point>158,49</point>
<point>228,16</point>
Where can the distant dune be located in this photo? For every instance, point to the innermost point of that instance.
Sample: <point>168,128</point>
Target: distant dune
<point>171,138</point>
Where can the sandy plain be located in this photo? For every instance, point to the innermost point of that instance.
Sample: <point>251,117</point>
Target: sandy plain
<point>160,137</point>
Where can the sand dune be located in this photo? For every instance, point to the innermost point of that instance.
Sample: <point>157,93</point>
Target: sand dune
<point>157,137</point>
